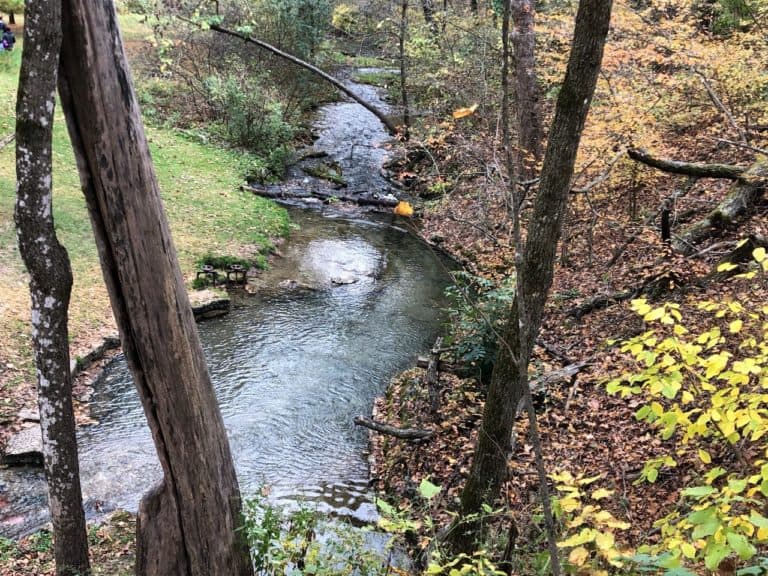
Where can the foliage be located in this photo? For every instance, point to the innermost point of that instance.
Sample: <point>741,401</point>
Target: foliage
<point>589,528</point>
<point>346,17</point>
<point>477,306</point>
<point>301,24</point>
<point>299,542</point>
<point>250,119</point>
<point>223,262</point>
<point>12,6</point>
<point>705,394</point>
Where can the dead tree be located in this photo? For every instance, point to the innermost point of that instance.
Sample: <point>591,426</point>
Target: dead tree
<point>50,282</point>
<point>746,191</point>
<point>187,525</point>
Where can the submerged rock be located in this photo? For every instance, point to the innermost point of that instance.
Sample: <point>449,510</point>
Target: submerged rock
<point>343,279</point>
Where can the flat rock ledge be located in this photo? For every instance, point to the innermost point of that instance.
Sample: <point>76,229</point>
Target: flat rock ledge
<point>25,448</point>
<point>208,304</point>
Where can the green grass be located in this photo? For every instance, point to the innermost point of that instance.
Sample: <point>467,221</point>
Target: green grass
<point>207,215</point>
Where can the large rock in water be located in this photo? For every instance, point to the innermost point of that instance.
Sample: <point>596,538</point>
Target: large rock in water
<point>25,448</point>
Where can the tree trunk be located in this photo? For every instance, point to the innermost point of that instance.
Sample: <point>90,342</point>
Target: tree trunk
<point>429,16</point>
<point>50,282</point>
<point>187,525</point>
<point>11,18</point>
<point>526,89</point>
<point>507,385</point>
<point>404,70</point>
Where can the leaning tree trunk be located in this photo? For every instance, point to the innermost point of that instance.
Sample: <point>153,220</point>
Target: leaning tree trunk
<point>526,89</point>
<point>187,525</point>
<point>50,282</point>
<point>507,387</point>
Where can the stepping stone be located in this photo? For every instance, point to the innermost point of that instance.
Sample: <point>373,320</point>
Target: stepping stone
<point>25,448</point>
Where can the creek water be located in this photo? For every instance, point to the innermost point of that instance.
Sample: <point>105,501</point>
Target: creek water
<point>349,303</point>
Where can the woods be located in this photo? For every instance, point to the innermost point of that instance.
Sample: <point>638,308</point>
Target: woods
<point>573,193</point>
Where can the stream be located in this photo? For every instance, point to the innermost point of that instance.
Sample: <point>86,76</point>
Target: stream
<point>350,302</point>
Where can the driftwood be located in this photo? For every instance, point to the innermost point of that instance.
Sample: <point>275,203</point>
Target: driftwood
<point>748,189</point>
<point>410,434</point>
<point>292,193</point>
<point>385,119</point>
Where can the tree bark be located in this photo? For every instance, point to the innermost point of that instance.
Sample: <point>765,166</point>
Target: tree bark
<point>508,385</point>
<point>384,118</point>
<point>526,89</point>
<point>50,282</point>
<point>428,7</point>
<point>187,526</point>
<point>404,70</point>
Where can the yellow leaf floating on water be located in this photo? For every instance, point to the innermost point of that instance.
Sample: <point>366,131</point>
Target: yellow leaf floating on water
<point>404,209</point>
<point>464,112</point>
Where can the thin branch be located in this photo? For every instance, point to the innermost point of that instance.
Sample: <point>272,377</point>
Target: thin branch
<point>745,146</point>
<point>603,177</point>
<point>719,105</point>
<point>7,140</point>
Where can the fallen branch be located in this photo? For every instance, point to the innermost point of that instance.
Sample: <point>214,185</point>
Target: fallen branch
<point>391,128</point>
<point>410,434</point>
<point>687,168</point>
<point>719,105</point>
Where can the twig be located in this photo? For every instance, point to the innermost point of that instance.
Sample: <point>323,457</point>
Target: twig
<point>7,140</point>
<point>719,105</point>
<point>603,177</point>
<point>744,145</point>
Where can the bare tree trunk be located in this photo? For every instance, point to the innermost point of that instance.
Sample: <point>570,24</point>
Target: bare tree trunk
<point>403,69</point>
<point>187,525</point>
<point>526,89</point>
<point>508,385</point>
<point>428,8</point>
<point>50,282</point>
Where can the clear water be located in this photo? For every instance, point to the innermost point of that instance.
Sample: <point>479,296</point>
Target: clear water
<point>291,367</point>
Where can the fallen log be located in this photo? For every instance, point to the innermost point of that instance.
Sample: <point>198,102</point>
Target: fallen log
<point>687,168</point>
<point>747,190</point>
<point>410,434</point>
<point>291,193</point>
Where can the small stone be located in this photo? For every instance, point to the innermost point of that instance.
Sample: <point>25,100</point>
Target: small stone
<point>343,279</point>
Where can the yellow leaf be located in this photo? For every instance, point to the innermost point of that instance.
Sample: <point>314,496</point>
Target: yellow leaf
<point>688,550</point>
<point>759,254</point>
<point>464,112</point>
<point>403,209</point>
<point>601,493</point>
<point>604,540</point>
<point>735,326</point>
<point>569,504</point>
<point>707,459</point>
<point>578,556</point>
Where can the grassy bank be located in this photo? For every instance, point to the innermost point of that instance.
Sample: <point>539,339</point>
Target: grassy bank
<point>206,211</point>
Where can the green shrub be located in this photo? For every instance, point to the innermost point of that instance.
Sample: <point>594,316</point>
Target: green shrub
<point>247,117</point>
